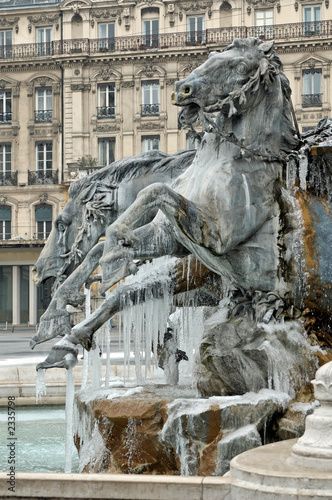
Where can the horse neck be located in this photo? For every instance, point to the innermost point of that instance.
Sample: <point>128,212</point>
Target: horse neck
<point>260,124</point>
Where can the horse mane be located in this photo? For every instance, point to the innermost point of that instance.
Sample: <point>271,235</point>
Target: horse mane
<point>290,139</point>
<point>126,169</point>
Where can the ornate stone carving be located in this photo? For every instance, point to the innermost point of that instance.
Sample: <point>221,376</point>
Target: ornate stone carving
<point>171,13</point>
<point>311,62</point>
<point>3,84</point>
<point>3,199</point>
<point>149,70</point>
<point>80,87</point>
<point>107,128</point>
<point>43,197</point>
<point>105,14</point>
<point>170,81</point>
<point>105,72</point>
<point>149,126</point>
<point>261,3</point>
<point>43,18</point>
<point>43,81</point>
<point>9,21</point>
<point>194,7</point>
<point>128,85</point>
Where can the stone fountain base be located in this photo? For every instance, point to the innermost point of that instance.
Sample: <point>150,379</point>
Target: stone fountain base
<point>266,473</point>
<point>169,430</point>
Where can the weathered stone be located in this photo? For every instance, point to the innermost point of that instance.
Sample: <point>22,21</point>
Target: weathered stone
<point>240,356</point>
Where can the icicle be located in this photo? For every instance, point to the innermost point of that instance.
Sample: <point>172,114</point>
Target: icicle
<point>85,371</point>
<point>303,171</point>
<point>40,385</point>
<point>70,394</point>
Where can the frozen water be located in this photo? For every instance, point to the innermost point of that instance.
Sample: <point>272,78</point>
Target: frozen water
<point>40,385</point>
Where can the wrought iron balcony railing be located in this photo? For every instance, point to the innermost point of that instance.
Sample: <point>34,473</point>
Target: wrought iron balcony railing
<point>106,112</point>
<point>41,235</point>
<point>312,100</point>
<point>8,178</point>
<point>6,117</point>
<point>150,109</point>
<point>42,177</point>
<point>43,115</point>
<point>220,36</point>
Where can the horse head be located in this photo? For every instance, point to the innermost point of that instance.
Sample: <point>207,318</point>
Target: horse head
<point>247,86</point>
<point>76,230</point>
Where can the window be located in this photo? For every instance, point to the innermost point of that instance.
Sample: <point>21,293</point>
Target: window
<point>196,30</point>
<point>6,44</point>
<point>106,101</point>
<point>150,142</point>
<point>43,216</point>
<point>44,41</point>
<point>6,294</point>
<point>264,23</point>
<point>311,16</point>
<point>150,30</point>
<point>150,98</point>
<point>44,106</point>
<point>6,177</point>
<point>5,106</point>
<point>5,222</point>
<point>312,84</point>
<point>106,36</point>
<point>106,151</point>
<point>44,156</point>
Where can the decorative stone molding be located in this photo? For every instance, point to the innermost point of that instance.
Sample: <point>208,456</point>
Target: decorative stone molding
<point>194,7</point>
<point>149,70</point>
<point>104,15</point>
<point>42,19</point>
<point>3,199</point>
<point>105,72</point>
<point>43,197</point>
<point>80,87</point>
<point>128,85</point>
<point>262,3</point>
<point>6,22</point>
<point>171,81</point>
<point>171,13</point>
<point>149,126</point>
<point>107,128</point>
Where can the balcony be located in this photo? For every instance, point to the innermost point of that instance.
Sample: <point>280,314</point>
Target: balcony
<point>312,100</point>
<point>8,178</point>
<point>177,40</point>
<point>105,112</point>
<point>6,117</point>
<point>150,109</point>
<point>42,177</point>
<point>43,116</point>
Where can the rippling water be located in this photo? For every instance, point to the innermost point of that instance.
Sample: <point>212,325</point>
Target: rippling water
<point>40,444</point>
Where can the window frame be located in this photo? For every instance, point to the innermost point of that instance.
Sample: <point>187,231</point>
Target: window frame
<point>6,224</point>
<point>106,43</point>
<point>264,30</point>
<point>45,169</point>
<point>150,98</point>
<point>43,227</point>
<point>312,98</point>
<point>44,46</point>
<point>109,153</point>
<point>146,140</point>
<point>44,105</point>
<point>196,36</point>
<point>6,101</point>
<point>107,110</point>
<point>6,48</point>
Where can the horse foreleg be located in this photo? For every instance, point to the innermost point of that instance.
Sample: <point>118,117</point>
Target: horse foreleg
<point>123,244</point>
<point>56,320</point>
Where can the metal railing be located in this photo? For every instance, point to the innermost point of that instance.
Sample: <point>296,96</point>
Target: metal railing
<point>43,115</point>
<point>42,177</point>
<point>312,100</point>
<point>6,117</point>
<point>221,36</point>
<point>106,112</point>
<point>150,109</point>
<point>8,178</point>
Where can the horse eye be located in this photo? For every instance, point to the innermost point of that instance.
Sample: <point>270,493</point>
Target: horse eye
<point>62,227</point>
<point>242,68</point>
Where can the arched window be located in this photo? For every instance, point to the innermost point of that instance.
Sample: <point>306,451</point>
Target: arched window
<point>5,222</point>
<point>43,215</point>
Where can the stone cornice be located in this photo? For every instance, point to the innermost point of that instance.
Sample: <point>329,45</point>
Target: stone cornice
<point>194,7</point>
<point>42,19</point>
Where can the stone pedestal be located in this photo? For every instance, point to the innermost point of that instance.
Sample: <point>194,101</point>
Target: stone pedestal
<point>314,449</point>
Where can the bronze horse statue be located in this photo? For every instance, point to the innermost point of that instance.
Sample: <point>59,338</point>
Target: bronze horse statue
<point>228,208</point>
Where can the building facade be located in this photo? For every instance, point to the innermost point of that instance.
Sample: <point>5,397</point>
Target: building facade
<point>93,79</point>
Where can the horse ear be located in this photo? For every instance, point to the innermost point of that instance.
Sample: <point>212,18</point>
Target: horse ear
<point>266,47</point>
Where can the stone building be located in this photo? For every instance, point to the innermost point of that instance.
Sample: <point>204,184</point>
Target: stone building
<point>82,77</point>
